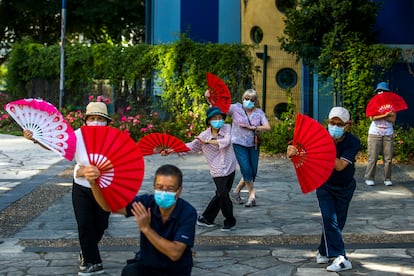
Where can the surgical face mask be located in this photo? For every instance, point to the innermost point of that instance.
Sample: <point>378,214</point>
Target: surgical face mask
<point>217,123</point>
<point>164,199</point>
<point>336,131</point>
<point>96,123</point>
<point>248,104</point>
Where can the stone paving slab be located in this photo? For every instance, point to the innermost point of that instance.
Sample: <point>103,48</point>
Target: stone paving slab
<point>277,237</point>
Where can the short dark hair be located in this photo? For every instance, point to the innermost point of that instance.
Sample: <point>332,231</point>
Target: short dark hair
<point>170,170</point>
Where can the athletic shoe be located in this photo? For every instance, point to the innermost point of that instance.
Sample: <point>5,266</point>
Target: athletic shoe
<point>388,183</point>
<point>250,203</point>
<point>82,262</point>
<point>320,259</point>
<point>201,221</point>
<point>370,182</point>
<point>92,269</point>
<point>339,264</point>
<point>228,228</point>
<point>235,197</point>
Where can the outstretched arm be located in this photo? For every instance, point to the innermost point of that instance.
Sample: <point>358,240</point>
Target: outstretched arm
<point>29,136</point>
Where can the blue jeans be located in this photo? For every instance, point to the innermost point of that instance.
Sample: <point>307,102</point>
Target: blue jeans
<point>334,203</point>
<point>248,159</point>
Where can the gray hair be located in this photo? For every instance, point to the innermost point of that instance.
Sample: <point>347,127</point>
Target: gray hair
<point>252,94</point>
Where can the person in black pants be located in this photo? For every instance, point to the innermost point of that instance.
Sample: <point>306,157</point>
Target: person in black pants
<point>91,219</point>
<point>334,196</point>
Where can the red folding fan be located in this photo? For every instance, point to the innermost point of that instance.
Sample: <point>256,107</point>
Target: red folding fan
<point>119,161</point>
<point>157,142</point>
<point>316,156</point>
<point>385,102</point>
<point>47,124</point>
<point>219,93</point>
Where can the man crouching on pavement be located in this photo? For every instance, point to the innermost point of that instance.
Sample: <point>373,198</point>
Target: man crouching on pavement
<point>167,224</point>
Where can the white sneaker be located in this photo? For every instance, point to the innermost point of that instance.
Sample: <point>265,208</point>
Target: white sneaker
<point>388,183</point>
<point>370,182</point>
<point>339,264</point>
<point>320,259</point>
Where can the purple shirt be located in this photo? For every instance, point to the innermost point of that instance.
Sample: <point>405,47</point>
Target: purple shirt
<point>221,158</point>
<point>243,136</point>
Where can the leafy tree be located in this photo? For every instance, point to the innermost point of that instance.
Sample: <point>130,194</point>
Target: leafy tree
<point>316,24</point>
<point>336,38</point>
<point>97,21</point>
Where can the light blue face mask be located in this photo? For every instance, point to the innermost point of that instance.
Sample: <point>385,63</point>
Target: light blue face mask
<point>336,131</point>
<point>248,104</point>
<point>164,199</point>
<point>217,123</point>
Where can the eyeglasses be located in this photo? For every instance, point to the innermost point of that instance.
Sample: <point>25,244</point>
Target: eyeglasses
<point>247,99</point>
<point>170,189</point>
<point>339,124</point>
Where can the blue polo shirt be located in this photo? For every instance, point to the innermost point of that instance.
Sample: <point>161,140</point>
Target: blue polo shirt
<point>179,227</point>
<point>347,150</point>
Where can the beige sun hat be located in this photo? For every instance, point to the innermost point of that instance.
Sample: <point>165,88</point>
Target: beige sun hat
<point>97,108</point>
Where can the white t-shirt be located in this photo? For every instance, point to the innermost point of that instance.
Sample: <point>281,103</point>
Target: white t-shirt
<point>381,127</point>
<point>81,158</point>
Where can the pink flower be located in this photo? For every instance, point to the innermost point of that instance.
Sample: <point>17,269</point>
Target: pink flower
<point>123,119</point>
<point>135,122</point>
<point>150,126</point>
<point>128,108</point>
<point>107,101</point>
<point>90,98</point>
<point>99,98</point>
<point>144,129</point>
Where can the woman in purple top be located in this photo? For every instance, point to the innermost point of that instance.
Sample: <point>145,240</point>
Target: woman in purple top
<point>248,119</point>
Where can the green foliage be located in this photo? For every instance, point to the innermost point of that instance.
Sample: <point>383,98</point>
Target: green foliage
<point>281,134</point>
<point>339,45</point>
<point>311,24</point>
<point>355,69</point>
<point>178,69</point>
<point>360,130</point>
<point>404,144</point>
<point>98,21</point>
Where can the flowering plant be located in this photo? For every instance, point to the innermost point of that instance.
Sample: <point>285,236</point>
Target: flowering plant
<point>100,98</point>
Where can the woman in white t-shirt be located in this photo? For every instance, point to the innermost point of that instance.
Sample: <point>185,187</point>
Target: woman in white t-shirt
<point>380,140</point>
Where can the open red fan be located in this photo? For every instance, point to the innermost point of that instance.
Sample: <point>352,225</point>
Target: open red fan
<point>157,142</point>
<point>385,102</point>
<point>119,161</point>
<point>219,93</point>
<point>46,123</point>
<point>316,156</point>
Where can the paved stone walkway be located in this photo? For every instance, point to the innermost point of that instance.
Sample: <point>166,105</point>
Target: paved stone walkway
<point>277,237</point>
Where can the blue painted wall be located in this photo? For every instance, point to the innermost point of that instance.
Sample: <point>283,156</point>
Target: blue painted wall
<point>199,20</point>
<point>395,22</point>
<point>165,21</point>
<point>215,21</point>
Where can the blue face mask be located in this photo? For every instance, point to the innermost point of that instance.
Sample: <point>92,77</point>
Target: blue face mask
<point>164,199</point>
<point>248,104</point>
<point>217,123</point>
<point>336,131</point>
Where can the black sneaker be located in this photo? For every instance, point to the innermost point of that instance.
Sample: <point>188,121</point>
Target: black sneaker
<point>201,221</point>
<point>227,228</point>
<point>91,269</point>
<point>82,262</point>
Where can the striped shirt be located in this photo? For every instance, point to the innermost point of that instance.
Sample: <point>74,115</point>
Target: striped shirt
<point>221,158</point>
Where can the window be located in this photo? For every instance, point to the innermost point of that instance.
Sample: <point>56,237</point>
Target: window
<point>286,78</point>
<point>283,5</point>
<point>279,109</point>
<point>256,34</point>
